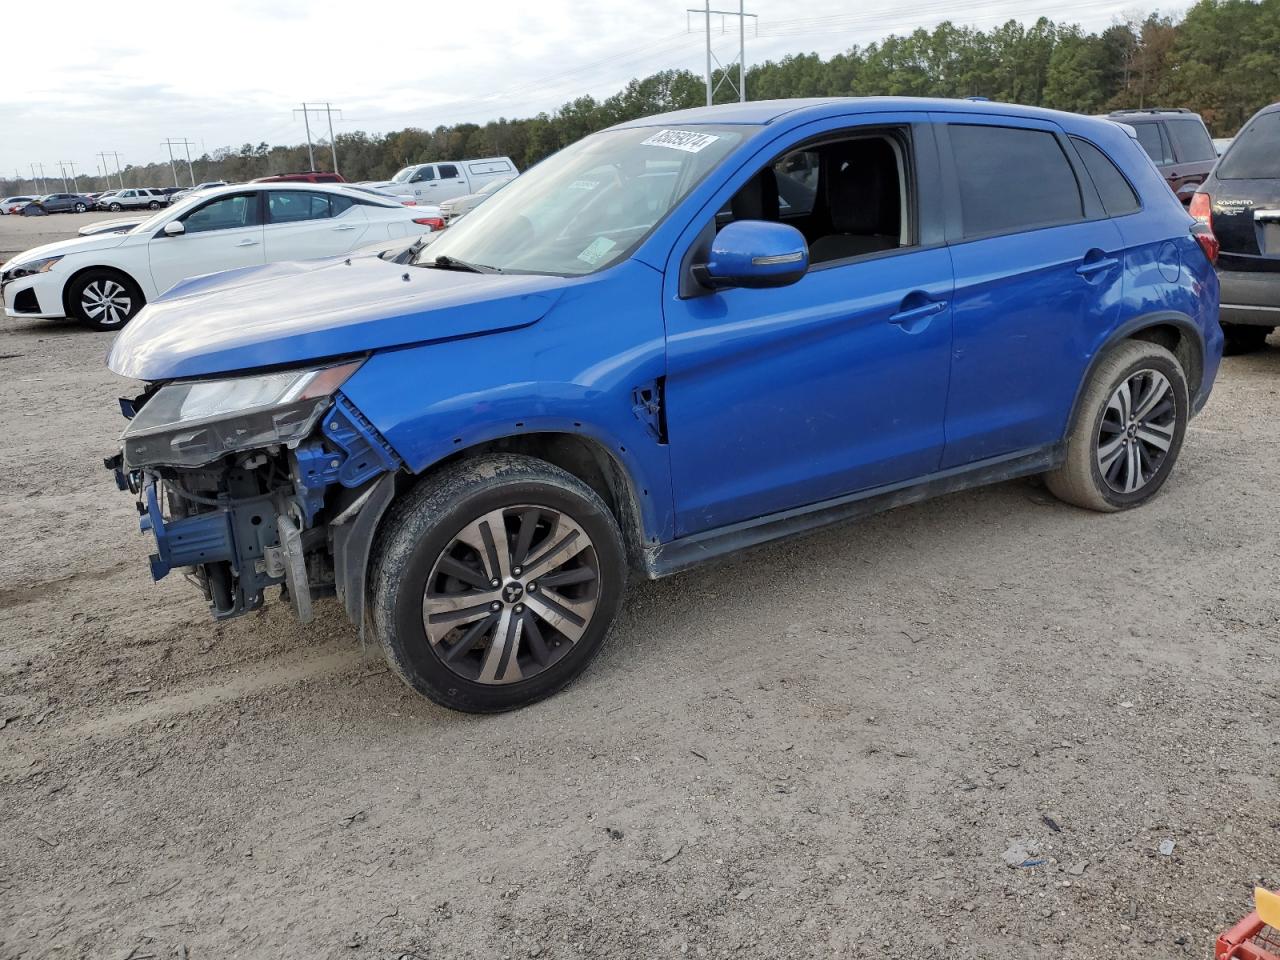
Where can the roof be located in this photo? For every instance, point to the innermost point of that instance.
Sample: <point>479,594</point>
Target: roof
<point>770,111</point>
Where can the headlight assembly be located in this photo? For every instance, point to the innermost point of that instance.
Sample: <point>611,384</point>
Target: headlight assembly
<point>194,422</point>
<point>30,268</point>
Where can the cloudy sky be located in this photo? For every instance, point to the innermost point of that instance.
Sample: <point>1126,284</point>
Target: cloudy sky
<point>229,75</point>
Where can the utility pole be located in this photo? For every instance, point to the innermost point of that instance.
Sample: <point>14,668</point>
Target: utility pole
<point>44,185</point>
<point>64,165</point>
<point>306,119</point>
<point>172,169</point>
<point>329,110</point>
<point>741,14</point>
<point>107,170</point>
<point>186,145</point>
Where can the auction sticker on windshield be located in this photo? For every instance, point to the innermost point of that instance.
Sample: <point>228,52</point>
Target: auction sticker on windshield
<point>596,250</point>
<point>685,140</point>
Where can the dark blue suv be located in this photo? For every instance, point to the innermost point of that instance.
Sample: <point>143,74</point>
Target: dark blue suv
<point>673,340</point>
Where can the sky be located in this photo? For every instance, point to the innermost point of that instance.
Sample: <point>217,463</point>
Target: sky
<point>224,76</point>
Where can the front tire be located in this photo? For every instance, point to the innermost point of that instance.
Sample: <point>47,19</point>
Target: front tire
<point>114,208</point>
<point>103,299</point>
<point>1238,338</point>
<point>81,208</point>
<point>1128,431</point>
<point>495,583</point>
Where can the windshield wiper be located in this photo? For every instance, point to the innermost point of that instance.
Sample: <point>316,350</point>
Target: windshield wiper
<point>453,263</point>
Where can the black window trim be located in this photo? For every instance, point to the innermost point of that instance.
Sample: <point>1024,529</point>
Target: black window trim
<point>1119,169</point>
<point>1090,203</point>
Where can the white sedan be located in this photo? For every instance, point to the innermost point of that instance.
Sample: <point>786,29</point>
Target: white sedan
<point>103,280</point>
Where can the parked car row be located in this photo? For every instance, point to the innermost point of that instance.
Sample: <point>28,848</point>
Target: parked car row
<point>103,278</point>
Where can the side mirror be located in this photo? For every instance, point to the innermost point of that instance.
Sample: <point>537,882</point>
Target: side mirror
<point>755,253</point>
<point>174,228</point>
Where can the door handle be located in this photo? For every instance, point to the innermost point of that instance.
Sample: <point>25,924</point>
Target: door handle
<point>346,226</point>
<point>1090,267</point>
<point>915,318</point>
<point>247,243</point>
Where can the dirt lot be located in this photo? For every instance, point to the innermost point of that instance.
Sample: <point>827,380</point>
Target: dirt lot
<point>821,749</point>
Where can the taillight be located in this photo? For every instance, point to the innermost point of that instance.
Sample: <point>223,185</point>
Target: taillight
<point>408,203</point>
<point>1208,242</point>
<point>1202,208</point>
<point>435,223</point>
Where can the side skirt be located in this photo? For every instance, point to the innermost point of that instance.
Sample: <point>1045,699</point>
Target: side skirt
<point>686,552</point>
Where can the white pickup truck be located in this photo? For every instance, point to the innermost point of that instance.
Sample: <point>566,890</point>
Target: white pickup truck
<point>436,182</point>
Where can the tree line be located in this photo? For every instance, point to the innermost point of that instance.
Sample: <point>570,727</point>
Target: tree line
<point>1221,59</point>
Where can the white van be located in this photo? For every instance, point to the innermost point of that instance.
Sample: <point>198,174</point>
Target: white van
<point>436,182</point>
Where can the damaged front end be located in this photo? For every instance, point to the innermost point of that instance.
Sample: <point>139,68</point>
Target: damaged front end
<point>258,481</point>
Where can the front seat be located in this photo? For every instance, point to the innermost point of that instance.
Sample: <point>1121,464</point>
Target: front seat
<point>758,198</point>
<point>860,185</point>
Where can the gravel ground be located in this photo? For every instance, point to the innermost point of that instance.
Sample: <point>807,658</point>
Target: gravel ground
<point>828,748</point>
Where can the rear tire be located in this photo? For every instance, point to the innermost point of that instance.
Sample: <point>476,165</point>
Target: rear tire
<point>1128,430</point>
<point>153,205</point>
<point>495,582</point>
<point>1241,338</point>
<point>103,299</point>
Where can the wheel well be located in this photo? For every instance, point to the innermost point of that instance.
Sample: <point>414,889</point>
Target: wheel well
<point>587,460</point>
<point>71,282</point>
<point>1182,345</point>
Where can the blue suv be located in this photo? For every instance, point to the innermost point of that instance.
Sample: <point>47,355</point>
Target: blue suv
<point>675,339</point>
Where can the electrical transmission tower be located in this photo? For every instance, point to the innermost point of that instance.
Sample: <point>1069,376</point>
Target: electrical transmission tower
<point>741,86</point>
<point>329,110</point>
<point>107,170</point>
<point>186,145</point>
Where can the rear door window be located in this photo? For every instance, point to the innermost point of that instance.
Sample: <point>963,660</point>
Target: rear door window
<point>1191,141</point>
<point>1255,152</point>
<point>1011,179</point>
<point>292,206</point>
<point>1118,197</point>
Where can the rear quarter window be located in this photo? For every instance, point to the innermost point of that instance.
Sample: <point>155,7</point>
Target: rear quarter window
<point>1191,140</point>
<point>1118,197</point>
<point>1011,179</point>
<point>1255,152</point>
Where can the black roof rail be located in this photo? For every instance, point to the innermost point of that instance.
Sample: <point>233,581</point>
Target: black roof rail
<point>1153,110</point>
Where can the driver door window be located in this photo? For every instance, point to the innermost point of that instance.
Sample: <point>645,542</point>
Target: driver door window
<point>225,213</point>
<point>423,175</point>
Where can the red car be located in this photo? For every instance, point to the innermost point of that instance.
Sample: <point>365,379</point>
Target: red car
<point>310,176</point>
<point>1177,140</point>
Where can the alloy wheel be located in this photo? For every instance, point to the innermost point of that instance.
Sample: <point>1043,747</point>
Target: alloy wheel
<point>511,594</point>
<point>1136,431</point>
<point>106,302</point>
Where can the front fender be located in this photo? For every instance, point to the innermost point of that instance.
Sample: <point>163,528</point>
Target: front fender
<point>574,372</point>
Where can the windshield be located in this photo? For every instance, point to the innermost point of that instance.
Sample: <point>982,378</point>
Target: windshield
<point>590,205</point>
<point>404,174</point>
<point>1255,153</point>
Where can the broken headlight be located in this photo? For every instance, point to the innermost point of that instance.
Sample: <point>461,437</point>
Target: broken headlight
<point>193,422</point>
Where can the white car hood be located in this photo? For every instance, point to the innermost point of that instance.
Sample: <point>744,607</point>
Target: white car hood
<point>75,245</point>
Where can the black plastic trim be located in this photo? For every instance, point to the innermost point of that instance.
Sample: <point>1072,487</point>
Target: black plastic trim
<point>687,552</point>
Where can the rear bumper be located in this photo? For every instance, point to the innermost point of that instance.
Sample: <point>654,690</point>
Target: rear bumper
<point>1250,298</point>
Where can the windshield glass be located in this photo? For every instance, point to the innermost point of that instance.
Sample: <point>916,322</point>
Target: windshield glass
<point>591,204</point>
<point>404,174</point>
<point>1255,153</point>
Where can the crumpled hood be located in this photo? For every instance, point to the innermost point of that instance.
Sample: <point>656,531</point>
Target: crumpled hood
<point>295,312</point>
<point>64,247</point>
